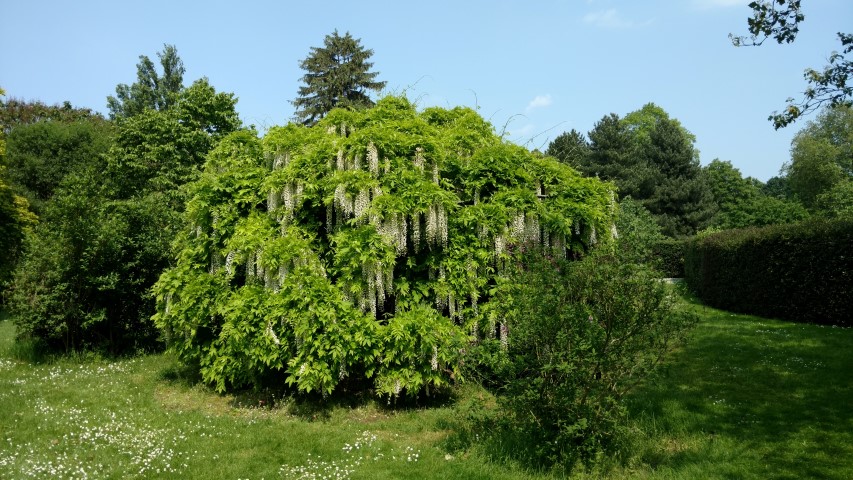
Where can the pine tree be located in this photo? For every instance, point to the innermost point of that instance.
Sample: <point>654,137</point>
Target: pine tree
<point>571,148</point>
<point>337,75</point>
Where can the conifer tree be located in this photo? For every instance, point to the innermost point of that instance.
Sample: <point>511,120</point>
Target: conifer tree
<point>337,75</point>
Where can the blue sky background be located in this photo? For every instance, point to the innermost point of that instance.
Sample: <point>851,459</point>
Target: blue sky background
<point>533,68</point>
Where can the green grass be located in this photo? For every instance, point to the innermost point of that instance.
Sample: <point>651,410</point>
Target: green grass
<point>745,398</point>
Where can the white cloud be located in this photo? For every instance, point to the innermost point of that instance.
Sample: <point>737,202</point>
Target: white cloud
<point>607,19</point>
<point>539,102</point>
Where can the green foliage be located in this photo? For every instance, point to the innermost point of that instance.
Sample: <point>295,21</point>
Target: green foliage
<point>822,155</point>
<point>799,272</point>
<point>638,233</point>
<point>162,150</point>
<point>40,155</point>
<point>571,148</point>
<point>744,202</point>
<point>366,244</point>
<point>578,337</point>
<point>668,257</point>
<point>83,282</point>
<point>107,229</point>
<point>837,202</point>
<point>337,76</point>
<point>15,221</point>
<point>151,91</point>
<point>15,112</point>
<point>651,158</point>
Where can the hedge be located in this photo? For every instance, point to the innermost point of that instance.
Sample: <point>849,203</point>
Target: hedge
<point>801,272</point>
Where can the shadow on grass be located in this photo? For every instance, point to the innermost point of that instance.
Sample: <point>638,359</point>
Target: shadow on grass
<point>779,391</point>
<point>273,393</point>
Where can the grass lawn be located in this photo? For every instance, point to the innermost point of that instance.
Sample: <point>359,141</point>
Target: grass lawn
<point>745,398</point>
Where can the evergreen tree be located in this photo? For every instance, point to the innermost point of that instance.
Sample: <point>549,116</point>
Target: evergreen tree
<point>650,157</point>
<point>337,75</point>
<point>571,148</point>
<point>151,90</point>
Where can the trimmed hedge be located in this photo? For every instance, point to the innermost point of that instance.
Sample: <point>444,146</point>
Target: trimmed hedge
<point>801,272</point>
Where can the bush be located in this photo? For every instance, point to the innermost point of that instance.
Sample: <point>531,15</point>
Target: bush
<point>801,272</point>
<point>84,281</point>
<point>576,338</point>
<point>363,248</point>
<point>668,256</point>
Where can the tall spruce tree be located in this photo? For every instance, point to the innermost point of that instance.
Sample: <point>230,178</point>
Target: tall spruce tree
<point>337,75</point>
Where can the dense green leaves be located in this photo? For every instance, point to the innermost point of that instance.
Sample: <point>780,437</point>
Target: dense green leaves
<point>799,272</point>
<point>650,157</point>
<point>578,337</point>
<point>822,155</point>
<point>362,248</point>
<point>40,155</point>
<point>151,91</point>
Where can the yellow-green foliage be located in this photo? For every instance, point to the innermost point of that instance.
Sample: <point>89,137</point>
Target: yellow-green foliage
<point>362,247</point>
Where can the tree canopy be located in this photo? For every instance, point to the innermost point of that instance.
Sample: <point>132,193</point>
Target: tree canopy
<point>151,90</point>
<point>651,158</point>
<point>822,155</point>
<point>336,75</point>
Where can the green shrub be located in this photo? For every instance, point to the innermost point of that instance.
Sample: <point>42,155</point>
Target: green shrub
<point>801,272</point>
<point>576,337</point>
<point>667,255</point>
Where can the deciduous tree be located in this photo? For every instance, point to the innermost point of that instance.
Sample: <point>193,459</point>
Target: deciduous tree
<point>151,90</point>
<point>780,20</point>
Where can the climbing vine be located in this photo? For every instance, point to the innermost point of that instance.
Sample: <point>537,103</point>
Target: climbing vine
<point>363,248</point>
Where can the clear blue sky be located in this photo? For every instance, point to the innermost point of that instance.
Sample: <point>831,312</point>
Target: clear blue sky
<point>533,68</point>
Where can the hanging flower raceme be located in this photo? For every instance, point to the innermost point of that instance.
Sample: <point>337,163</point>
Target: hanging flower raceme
<point>367,244</point>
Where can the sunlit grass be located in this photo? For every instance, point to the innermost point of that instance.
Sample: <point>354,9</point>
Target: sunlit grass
<point>745,398</point>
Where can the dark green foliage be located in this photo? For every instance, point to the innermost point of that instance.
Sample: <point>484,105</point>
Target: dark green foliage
<point>668,257</point>
<point>801,272</point>
<point>337,75</point>
<point>106,232</point>
<point>579,336</point>
<point>89,265</point>
<point>571,148</point>
<point>15,221</point>
<point>151,91</point>
<point>40,155</point>
<point>650,157</point>
<point>681,199</point>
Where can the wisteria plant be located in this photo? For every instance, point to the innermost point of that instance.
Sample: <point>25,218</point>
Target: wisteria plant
<point>363,248</point>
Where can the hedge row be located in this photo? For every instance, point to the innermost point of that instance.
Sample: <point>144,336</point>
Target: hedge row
<point>801,272</point>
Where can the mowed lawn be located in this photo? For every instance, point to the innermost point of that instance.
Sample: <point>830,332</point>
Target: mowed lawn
<point>745,398</point>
